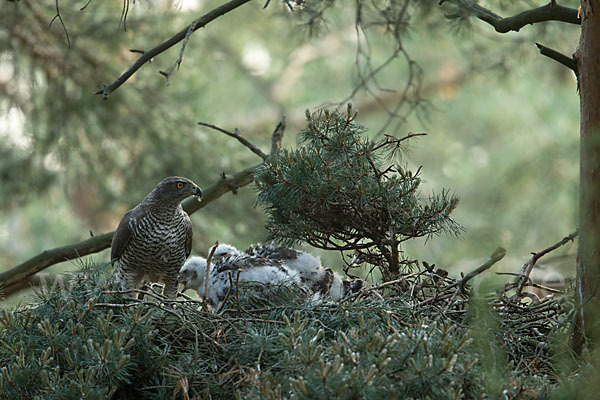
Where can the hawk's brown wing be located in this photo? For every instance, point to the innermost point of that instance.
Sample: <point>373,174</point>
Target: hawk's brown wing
<point>188,234</point>
<point>122,236</point>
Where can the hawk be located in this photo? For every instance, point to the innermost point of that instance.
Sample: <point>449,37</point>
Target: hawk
<point>322,281</point>
<point>256,274</point>
<point>154,239</point>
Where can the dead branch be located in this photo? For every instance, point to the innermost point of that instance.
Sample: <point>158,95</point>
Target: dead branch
<point>207,277</point>
<point>236,135</point>
<point>549,12</point>
<point>178,37</point>
<point>565,60</point>
<point>62,23</point>
<point>37,280</point>
<point>54,256</point>
<point>494,258</point>
<point>277,136</point>
<point>177,63</point>
<point>225,184</point>
<point>523,279</point>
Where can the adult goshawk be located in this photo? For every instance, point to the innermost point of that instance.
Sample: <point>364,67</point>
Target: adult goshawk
<point>154,239</point>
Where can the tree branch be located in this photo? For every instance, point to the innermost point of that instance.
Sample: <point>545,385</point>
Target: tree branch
<point>277,135</point>
<point>549,12</point>
<point>179,36</point>
<point>43,280</point>
<point>62,23</point>
<point>567,61</point>
<point>227,183</point>
<point>496,256</point>
<point>236,135</point>
<point>177,63</point>
<point>54,256</point>
<point>523,278</point>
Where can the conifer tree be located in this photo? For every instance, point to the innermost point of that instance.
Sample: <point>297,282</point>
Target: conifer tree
<point>343,191</point>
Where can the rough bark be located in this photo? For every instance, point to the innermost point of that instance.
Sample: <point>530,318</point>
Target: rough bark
<point>587,326</point>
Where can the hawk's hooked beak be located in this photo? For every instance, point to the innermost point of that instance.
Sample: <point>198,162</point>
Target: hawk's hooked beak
<point>197,192</point>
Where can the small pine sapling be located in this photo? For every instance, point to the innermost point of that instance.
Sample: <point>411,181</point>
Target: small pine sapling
<point>342,191</point>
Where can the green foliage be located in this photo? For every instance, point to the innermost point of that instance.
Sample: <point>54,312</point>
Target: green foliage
<point>80,340</point>
<point>71,346</point>
<point>338,192</point>
<point>371,358</point>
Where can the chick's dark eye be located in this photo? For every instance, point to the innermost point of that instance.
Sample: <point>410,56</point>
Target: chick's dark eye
<point>179,185</point>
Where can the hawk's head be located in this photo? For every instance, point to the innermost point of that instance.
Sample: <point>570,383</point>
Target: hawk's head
<point>174,189</point>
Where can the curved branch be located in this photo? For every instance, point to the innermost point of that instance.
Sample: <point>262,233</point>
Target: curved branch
<point>549,12</point>
<point>523,278</point>
<point>496,256</point>
<point>43,280</point>
<point>227,183</point>
<point>236,135</point>
<point>179,36</point>
<point>54,256</point>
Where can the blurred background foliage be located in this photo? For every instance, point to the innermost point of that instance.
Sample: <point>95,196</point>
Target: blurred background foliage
<point>502,121</point>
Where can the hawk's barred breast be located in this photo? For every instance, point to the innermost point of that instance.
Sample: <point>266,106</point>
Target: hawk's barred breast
<point>154,239</point>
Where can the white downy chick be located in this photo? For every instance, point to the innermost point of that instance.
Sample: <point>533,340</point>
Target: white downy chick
<point>257,274</point>
<point>322,281</point>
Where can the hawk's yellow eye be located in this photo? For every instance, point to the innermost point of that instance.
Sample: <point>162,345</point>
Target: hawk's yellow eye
<point>179,185</point>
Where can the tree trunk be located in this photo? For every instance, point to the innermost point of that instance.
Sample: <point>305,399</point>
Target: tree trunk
<point>587,324</point>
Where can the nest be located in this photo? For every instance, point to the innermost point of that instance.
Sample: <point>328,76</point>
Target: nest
<point>413,335</point>
<point>528,317</point>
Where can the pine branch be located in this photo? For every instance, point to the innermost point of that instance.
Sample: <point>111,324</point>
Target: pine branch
<point>178,37</point>
<point>227,183</point>
<point>567,61</point>
<point>549,12</point>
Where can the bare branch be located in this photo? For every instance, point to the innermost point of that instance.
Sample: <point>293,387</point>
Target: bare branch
<point>496,256</point>
<point>236,135</point>
<point>179,59</point>
<point>86,5</point>
<point>124,13</point>
<point>528,267</point>
<point>549,12</point>
<point>207,277</point>
<point>178,37</point>
<point>567,61</point>
<point>37,280</point>
<point>277,135</point>
<point>62,23</point>
<point>54,256</point>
